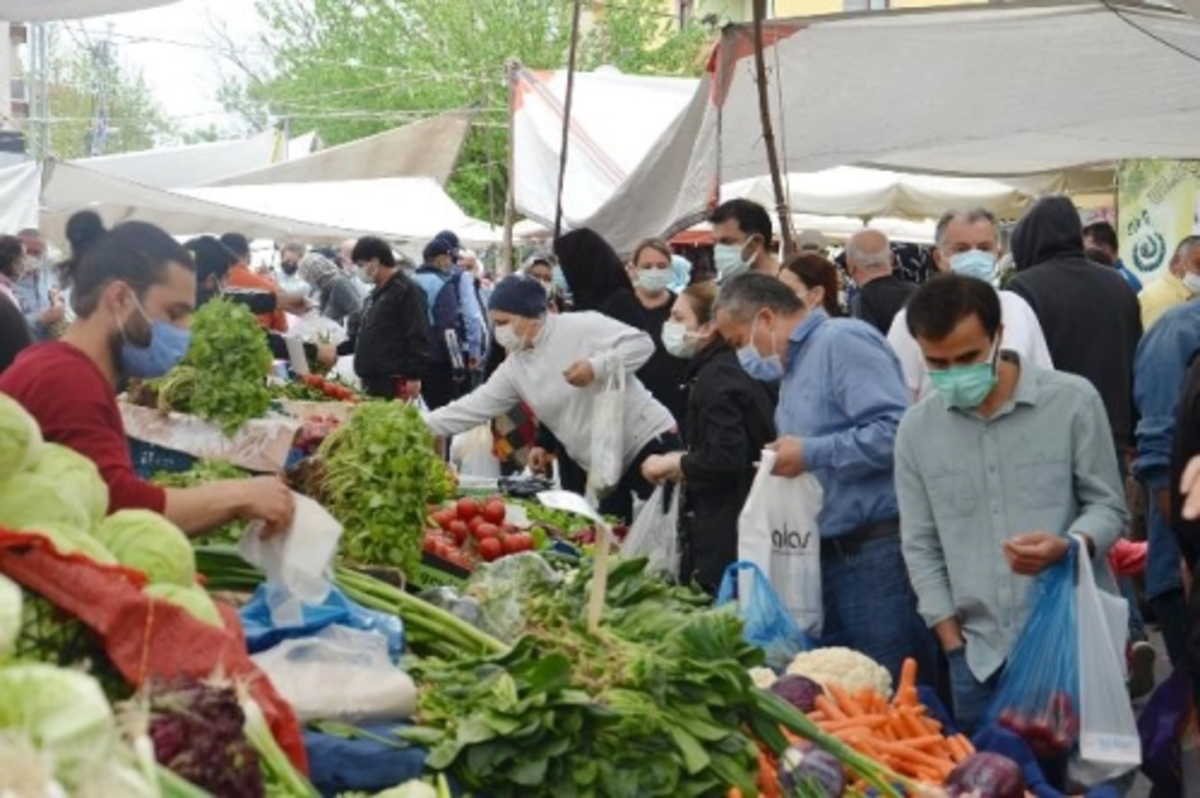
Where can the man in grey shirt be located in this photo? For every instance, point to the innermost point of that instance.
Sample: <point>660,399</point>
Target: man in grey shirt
<point>993,471</point>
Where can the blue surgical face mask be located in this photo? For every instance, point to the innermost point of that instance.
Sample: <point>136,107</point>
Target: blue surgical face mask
<point>975,263</point>
<point>763,368</point>
<point>729,261</point>
<point>654,281</point>
<point>560,281</point>
<point>168,344</point>
<point>966,387</point>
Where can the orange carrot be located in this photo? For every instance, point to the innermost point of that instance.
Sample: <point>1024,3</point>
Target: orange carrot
<point>958,751</point>
<point>844,701</point>
<point>915,757</point>
<point>830,708</point>
<point>966,743</point>
<point>908,677</point>
<point>936,742</point>
<point>817,716</point>
<point>911,724</point>
<point>860,722</point>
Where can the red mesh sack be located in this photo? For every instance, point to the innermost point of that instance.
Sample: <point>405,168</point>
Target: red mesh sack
<point>145,639</point>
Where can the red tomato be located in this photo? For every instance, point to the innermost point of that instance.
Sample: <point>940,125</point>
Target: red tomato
<point>512,544</point>
<point>430,544</point>
<point>474,524</point>
<point>459,530</point>
<point>526,541</point>
<point>487,531</point>
<point>491,549</point>
<point>493,512</point>
<point>444,518</point>
<point>467,509</point>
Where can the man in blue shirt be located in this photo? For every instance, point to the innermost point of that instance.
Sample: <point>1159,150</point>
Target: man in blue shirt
<point>1159,374</point>
<point>842,395</point>
<point>37,288</point>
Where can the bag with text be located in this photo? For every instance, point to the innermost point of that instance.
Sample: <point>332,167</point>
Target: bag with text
<point>777,531</point>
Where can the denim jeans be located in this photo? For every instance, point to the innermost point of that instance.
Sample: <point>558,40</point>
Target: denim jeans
<point>971,696</point>
<point>870,606</point>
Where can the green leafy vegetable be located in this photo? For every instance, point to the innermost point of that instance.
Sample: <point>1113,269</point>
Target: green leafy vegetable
<point>223,378</point>
<point>379,474</point>
<point>202,473</point>
<point>147,542</point>
<point>76,476</point>
<point>20,438</point>
<point>31,502</point>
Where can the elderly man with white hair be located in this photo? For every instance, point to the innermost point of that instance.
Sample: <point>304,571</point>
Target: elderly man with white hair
<point>967,242</point>
<point>881,294</point>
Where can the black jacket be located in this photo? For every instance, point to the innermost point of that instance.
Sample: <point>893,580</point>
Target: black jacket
<point>730,419</point>
<point>663,375</point>
<point>15,334</point>
<point>390,337</point>
<point>1186,445</point>
<point>1088,312</point>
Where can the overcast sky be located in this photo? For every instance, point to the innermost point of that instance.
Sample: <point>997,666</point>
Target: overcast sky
<point>184,77</point>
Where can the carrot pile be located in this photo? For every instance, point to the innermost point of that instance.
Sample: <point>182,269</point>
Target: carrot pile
<point>897,733</point>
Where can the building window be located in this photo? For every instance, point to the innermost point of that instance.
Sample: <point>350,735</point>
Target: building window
<point>864,5</point>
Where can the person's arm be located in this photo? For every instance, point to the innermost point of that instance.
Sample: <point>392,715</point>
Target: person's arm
<point>1158,375</point>
<point>353,325</point>
<point>257,302</point>
<point>908,352</point>
<point>207,507</point>
<point>922,548</point>
<point>494,398</point>
<point>1097,482</point>
<point>868,386</point>
<point>344,301</point>
<point>616,345</point>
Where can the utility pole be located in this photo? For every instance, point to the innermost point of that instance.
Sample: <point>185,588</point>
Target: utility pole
<point>104,71</point>
<point>40,145</point>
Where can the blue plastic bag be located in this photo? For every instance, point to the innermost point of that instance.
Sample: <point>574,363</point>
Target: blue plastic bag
<point>262,633</point>
<point>1038,695</point>
<point>768,624</point>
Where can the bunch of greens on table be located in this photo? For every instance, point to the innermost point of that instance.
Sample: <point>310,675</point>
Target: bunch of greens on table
<point>379,473</point>
<point>203,472</point>
<point>223,377</point>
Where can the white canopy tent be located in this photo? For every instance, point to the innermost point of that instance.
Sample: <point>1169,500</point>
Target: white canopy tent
<point>981,90</point>
<point>47,10</point>
<point>19,189</point>
<point>188,165</point>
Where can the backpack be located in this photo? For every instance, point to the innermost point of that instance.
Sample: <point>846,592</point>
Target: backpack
<point>445,314</point>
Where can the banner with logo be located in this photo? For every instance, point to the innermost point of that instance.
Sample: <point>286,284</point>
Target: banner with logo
<point>1158,205</point>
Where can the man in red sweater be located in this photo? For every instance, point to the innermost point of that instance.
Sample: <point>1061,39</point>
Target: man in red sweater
<point>134,294</point>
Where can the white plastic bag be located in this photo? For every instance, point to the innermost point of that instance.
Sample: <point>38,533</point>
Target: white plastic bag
<point>777,531</point>
<point>472,454</point>
<point>608,432</point>
<point>297,562</point>
<point>1109,745</point>
<point>655,532</point>
<point>313,328</point>
<point>340,674</point>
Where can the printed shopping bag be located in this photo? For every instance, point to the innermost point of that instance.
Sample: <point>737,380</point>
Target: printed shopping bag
<point>767,622</point>
<point>777,531</point>
<point>655,532</point>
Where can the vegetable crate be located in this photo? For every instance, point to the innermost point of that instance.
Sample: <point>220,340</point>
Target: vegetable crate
<point>53,636</point>
<point>436,572</point>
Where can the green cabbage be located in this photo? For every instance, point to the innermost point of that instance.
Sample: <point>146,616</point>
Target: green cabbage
<point>63,712</point>
<point>76,476</point>
<point>20,438</point>
<point>72,541</point>
<point>194,600</point>
<point>31,502</point>
<point>10,614</point>
<point>147,542</point>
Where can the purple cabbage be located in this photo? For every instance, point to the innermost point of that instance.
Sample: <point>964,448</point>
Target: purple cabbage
<point>799,691</point>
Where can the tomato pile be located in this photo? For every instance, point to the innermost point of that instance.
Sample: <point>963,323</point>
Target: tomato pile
<point>314,388</point>
<point>470,530</point>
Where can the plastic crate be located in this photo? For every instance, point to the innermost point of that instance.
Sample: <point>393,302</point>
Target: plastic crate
<point>150,459</point>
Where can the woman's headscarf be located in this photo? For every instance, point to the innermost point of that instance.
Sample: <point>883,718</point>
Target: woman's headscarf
<point>681,274</point>
<point>593,269</point>
<point>317,270</point>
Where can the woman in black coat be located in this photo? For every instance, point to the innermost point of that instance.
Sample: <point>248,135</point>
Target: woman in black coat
<point>730,419</point>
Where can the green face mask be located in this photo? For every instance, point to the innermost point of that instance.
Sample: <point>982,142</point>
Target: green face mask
<point>966,387</point>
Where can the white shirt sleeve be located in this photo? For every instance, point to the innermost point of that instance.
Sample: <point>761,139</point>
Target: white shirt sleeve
<point>916,373</point>
<point>1023,332</point>
<point>492,399</point>
<point>615,344</point>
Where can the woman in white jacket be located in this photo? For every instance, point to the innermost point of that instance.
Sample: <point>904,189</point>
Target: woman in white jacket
<point>558,366</point>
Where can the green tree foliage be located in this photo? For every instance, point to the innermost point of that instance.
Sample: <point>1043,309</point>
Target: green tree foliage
<point>78,80</point>
<point>352,69</point>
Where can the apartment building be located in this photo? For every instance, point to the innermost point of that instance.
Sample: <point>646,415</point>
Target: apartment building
<point>14,92</point>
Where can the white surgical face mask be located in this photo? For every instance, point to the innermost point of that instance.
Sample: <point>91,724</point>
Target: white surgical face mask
<point>1191,281</point>
<point>729,261</point>
<point>508,338</point>
<point>679,341</point>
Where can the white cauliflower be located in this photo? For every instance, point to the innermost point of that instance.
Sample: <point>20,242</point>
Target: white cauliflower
<point>847,669</point>
<point>763,678</point>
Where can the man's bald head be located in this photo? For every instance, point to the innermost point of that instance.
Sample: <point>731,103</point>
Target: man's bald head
<point>868,256</point>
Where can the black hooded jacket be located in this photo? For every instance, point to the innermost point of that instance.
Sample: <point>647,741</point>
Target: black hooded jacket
<point>1089,314</point>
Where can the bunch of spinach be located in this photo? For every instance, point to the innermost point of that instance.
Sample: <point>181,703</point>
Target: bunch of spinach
<point>656,704</point>
<point>379,473</point>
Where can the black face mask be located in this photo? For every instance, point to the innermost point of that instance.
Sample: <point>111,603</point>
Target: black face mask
<point>291,268</point>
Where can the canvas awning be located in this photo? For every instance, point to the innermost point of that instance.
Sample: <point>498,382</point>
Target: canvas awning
<point>994,90</point>
<point>47,10</point>
<point>187,165</point>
